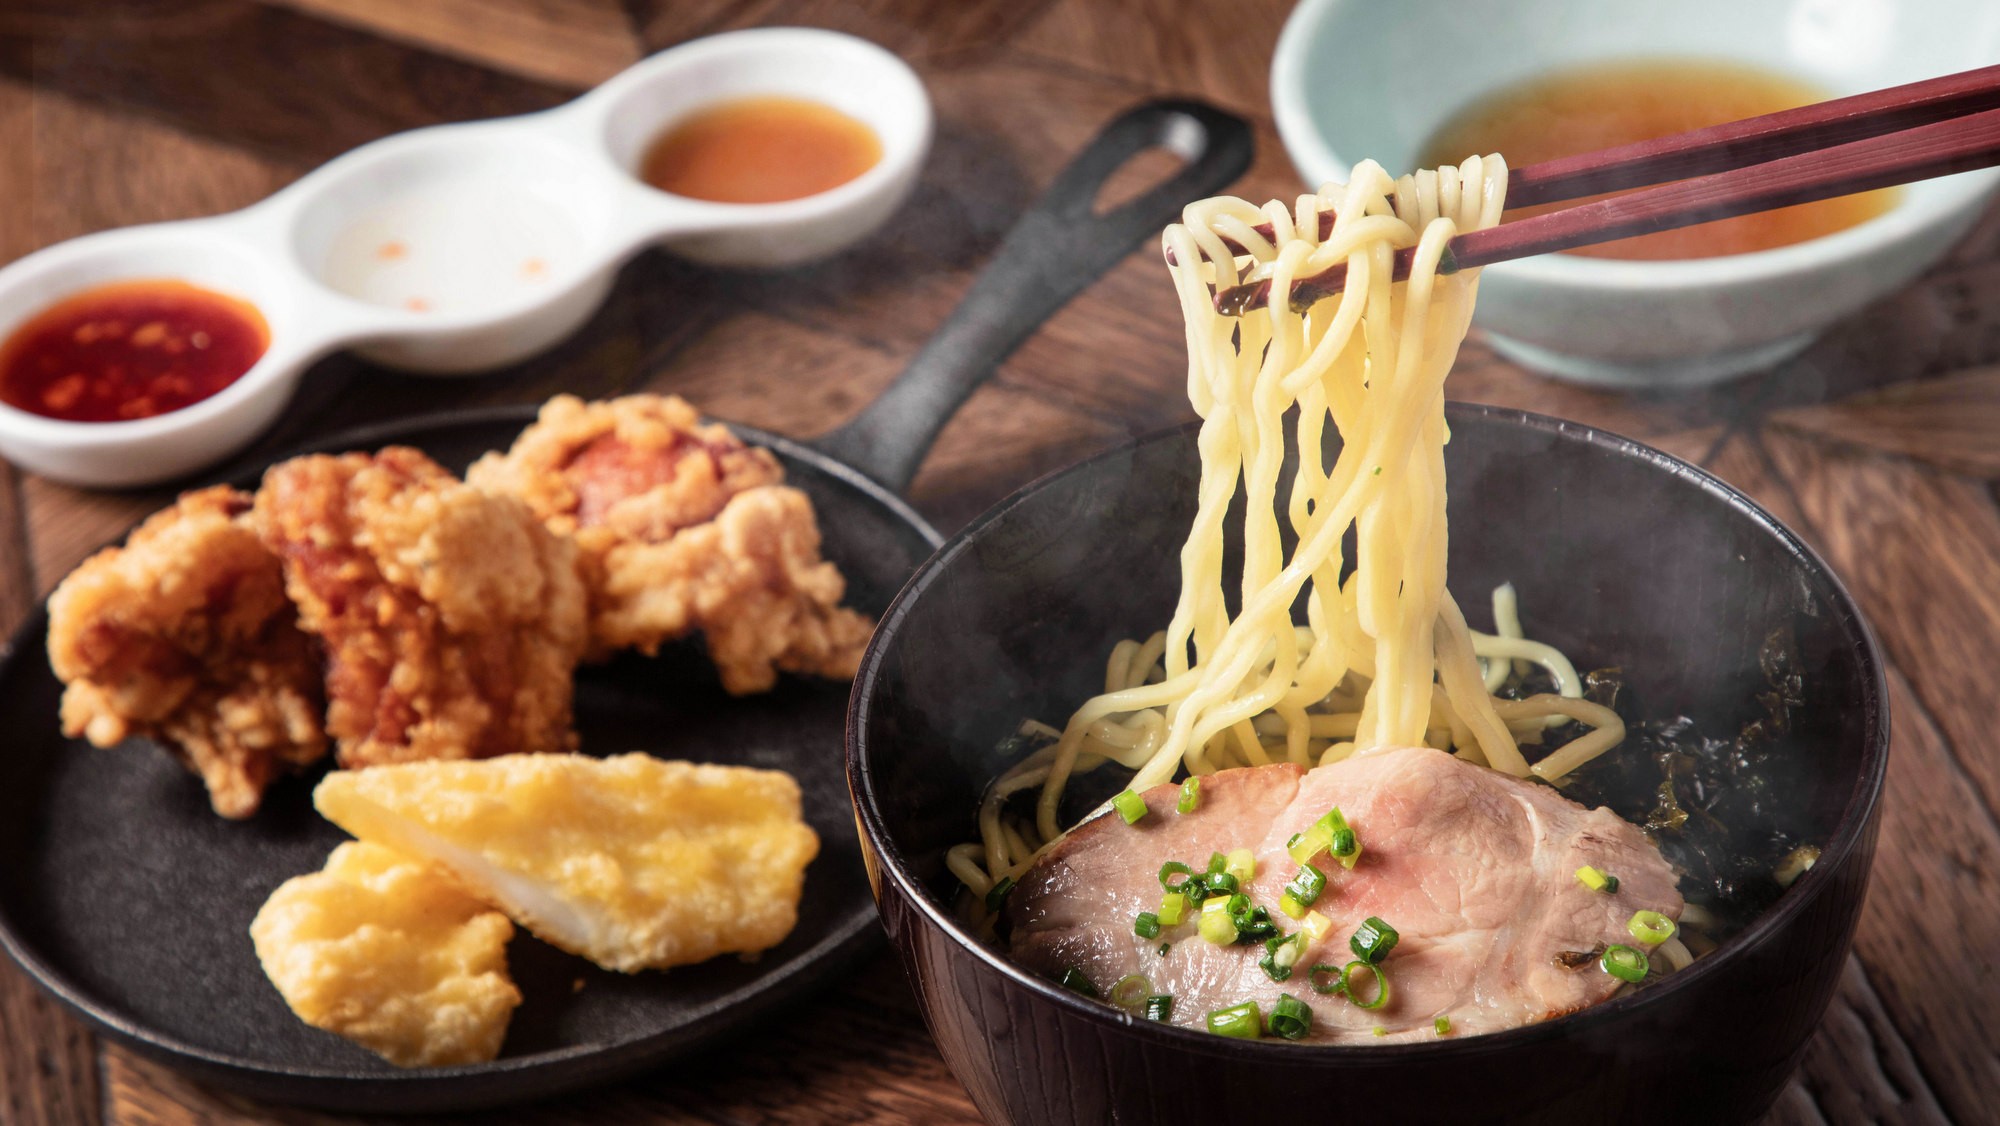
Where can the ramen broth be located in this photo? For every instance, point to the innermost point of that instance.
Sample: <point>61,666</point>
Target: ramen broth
<point>1583,109</point>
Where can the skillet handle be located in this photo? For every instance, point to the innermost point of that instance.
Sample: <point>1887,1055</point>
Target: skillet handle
<point>1054,251</point>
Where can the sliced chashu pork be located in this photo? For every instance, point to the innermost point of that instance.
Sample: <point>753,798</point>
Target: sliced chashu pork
<point>1475,869</point>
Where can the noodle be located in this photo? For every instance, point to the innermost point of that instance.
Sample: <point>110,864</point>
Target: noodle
<point>1384,658</point>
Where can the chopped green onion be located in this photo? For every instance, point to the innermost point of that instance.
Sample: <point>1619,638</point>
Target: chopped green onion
<point>1241,864</point>
<point>1337,985</point>
<point>1305,887</point>
<point>1377,472</point>
<point>1443,1025</point>
<point>1159,1007</point>
<point>1381,985</point>
<point>1171,906</point>
<point>1130,806</point>
<point>1291,1018</point>
<point>1220,883</point>
<point>1345,847</point>
<point>1596,880</point>
<point>1130,990</point>
<point>1316,926</point>
<point>1240,1021</point>
<point>1651,927</point>
<point>1074,981</point>
<point>1164,947</point>
<point>1216,925</point>
<point>1217,863</point>
<point>1291,906</point>
<point>1174,868</point>
<point>1379,1030</point>
<point>997,894</point>
<point>1280,955</point>
<point>1190,794</point>
<point>1256,926</point>
<point>1304,846</point>
<point>1624,963</point>
<point>1374,940</point>
<point>1146,925</point>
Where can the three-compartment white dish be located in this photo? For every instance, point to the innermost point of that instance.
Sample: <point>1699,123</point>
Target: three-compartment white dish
<point>460,248</point>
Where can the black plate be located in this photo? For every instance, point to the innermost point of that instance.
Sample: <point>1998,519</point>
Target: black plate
<point>125,896</point>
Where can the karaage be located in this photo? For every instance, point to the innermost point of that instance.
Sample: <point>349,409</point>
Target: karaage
<point>184,634</point>
<point>681,527</point>
<point>452,618</point>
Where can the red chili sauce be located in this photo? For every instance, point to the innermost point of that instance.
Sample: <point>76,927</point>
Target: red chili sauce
<point>130,350</point>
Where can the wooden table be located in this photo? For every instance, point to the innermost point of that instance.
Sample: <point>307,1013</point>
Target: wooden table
<point>1880,445</point>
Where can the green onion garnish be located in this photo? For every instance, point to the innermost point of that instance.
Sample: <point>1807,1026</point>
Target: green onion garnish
<point>1305,888</point>
<point>1074,981</point>
<point>1338,984</point>
<point>1345,847</point>
<point>1216,925</point>
<point>1164,947</point>
<point>1159,1007</point>
<point>1280,955</point>
<point>1381,985</point>
<point>1171,906</point>
<point>1379,1030</point>
<point>1596,880</point>
<point>1174,868</point>
<point>1304,846</point>
<point>1129,805</point>
<point>1651,927</point>
<point>1241,864</point>
<point>1217,863</point>
<point>1374,940</point>
<point>1190,798</point>
<point>997,894</point>
<point>1146,925</point>
<point>1220,883</point>
<point>1130,990</point>
<point>1443,1025</point>
<point>1240,1021</point>
<point>1291,907</point>
<point>1291,1018</point>
<point>1316,926</point>
<point>1624,963</point>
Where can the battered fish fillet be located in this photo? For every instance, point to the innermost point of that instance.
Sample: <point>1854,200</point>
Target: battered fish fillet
<point>681,527</point>
<point>452,618</point>
<point>632,862</point>
<point>388,952</point>
<point>185,635</point>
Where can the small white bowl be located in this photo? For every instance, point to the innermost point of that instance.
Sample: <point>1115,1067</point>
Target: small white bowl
<point>1353,79</point>
<point>507,232</point>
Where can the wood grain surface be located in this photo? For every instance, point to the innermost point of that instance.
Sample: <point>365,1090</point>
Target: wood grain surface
<point>1881,444</point>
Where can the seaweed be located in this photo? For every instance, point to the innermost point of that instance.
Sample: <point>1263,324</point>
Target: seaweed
<point>1705,800</point>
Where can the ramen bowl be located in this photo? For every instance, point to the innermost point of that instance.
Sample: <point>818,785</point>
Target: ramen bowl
<point>1352,80</point>
<point>1013,618</point>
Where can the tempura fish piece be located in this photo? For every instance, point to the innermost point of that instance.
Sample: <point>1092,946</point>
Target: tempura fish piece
<point>632,862</point>
<point>388,952</point>
<point>184,634</point>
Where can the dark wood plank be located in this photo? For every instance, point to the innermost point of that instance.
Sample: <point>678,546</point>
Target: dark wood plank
<point>1221,52</point>
<point>284,84</point>
<point>1952,422</point>
<point>954,32</point>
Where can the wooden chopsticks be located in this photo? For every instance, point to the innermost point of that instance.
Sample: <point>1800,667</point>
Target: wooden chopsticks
<point>1874,140</point>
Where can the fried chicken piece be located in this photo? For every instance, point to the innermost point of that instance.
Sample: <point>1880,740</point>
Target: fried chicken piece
<point>184,634</point>
<point>388,952</point>
<point>682,527</point>
<point>633,862</point>
<point>452,618</point>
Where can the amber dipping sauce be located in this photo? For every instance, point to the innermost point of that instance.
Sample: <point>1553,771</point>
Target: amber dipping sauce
<point>1582,109</point>
<point>760,150</point>
<point>130,350</point>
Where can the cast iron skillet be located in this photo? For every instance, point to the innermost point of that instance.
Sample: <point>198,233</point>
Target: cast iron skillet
<point>125,897</point>
<point>1622,556</point>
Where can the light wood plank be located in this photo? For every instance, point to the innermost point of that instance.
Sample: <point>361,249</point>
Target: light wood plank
<point>1221,52</point>
<point>571,43</point>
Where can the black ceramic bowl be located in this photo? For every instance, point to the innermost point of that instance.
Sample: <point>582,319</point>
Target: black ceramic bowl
<point>1622,555</point>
